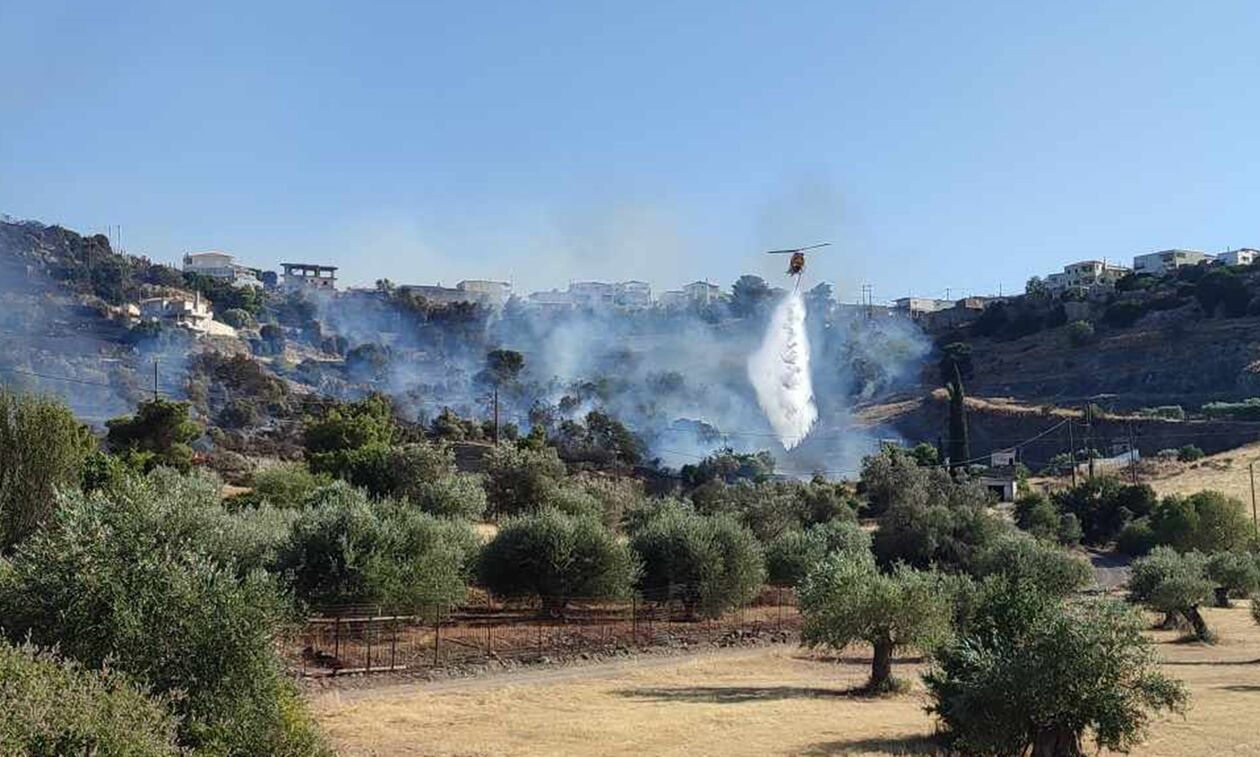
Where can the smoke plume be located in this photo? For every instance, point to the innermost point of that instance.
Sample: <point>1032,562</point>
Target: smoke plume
<point>779,372</point>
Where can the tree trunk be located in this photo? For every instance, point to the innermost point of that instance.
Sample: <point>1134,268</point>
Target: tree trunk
<point>1222,596</point>
<point>1170,621</point>
<point>553,607</point>
<point>1057,741</point>
<point>1197,623</point>
<point>881,665</point>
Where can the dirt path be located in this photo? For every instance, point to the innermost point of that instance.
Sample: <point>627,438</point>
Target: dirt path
<point>538,676</point>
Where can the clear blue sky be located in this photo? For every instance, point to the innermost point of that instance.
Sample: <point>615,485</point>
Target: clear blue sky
<point>959,144</point>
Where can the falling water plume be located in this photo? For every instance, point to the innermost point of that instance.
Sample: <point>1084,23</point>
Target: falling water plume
<point>779,372</point>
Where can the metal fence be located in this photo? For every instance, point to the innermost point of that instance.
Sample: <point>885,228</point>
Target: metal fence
<point>369,639</point>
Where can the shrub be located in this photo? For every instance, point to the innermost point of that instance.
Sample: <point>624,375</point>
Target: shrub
<point>351,426</point>
<point>1123,314</point>
<point>1189,454</point>
<point>1070,533</point>
<point>1247,410</point>
<point>1136,538</point>
<point>42,449</point>
<point>847,599</point>
<point>119,579</point>
<point>1080,333</point>
<point>1047,568</point>
<point>1037,515</point>
<point>346,549</point>
<point>56,707</point>
<point>1207,521</point>
<point>556,557</point>
<point>286,485</point>
<point>791,556</point>
<point>519,480</point>
<point>456,496</point>
<point>1235,574</point>
<point>1171,412</point>
<point>943,524</point>
<point>1036,673</point>
<point>160,429</point>
<point>238,318</point>
<point>710,563</point>
<point>1103,506</point>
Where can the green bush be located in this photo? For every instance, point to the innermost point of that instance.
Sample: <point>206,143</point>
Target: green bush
<point>1190,453</point>
<point>286,485</point>
<point>54,707</point>
<point>1036,674</point>
<point>1080,333</point>
<point>1171,412</point>
<point>1124,313</point>
<point>556,557</point>
<point>369,421</point>
<point>846,599</point>
<point>42,449</point>
<point>458,496</point>
<point>521,480</point>
<point>1136,538</point>
<point>1246,410</point>
<point>791,556</point>
<point>160,429</point>
<point>238,318</point>
<point>117,579</point>
<point>345,549</point>
<point>710,563</point>
<point>1103,505</point>
<point>1206,521</point>
<point>1047,568</point>
<point>1036,514</point>
<point>1235,574</point>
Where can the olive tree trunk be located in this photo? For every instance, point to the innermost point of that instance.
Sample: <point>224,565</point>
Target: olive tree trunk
<point>1057,741</point>
<point>1222,596</point>
<point>1197,623</point>
<point>881,664</point>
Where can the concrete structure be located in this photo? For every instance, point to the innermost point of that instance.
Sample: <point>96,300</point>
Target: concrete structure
<point>471,291</point>
<point>1166,260</point>
<point>552,299</point>
<point>492,293</point>
<point>702,293</point>
<point>1087,275</point>
<point>184,311</point>
<point>309,277</point>
<point>920,306</point>
<point>1003,482</point>
<point>220,265</point>
<point>592,294</point>
<point>1243,256</point>
<point>633,295</point>
<point>673,299</point>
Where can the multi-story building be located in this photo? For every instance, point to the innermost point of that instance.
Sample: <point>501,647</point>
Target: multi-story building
<point>309,277</point>
<point>220,265</point>
<point>1087,275</point>
<point>674,299</point>
<point>702,293</point>
<point>493,293</point>
<point>1243,256</point>
<point>916,307</point>
<point>1167,260</point>
<point>552,299</point>
<point>187,311</point>
<point>633,295</point>
<point>592,294</point>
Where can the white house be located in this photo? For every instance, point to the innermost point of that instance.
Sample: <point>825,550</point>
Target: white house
<point>493,293</point>
<point>592,294</point>
<point>1087,275</point>
<point>702,293</point>
<point>633,294</point>
<point>220,265</point>
<point>184,311</point>
<point>917,306</point>
<point>1243,256</point>
<point>673,299</point>
<point>1166,260</point>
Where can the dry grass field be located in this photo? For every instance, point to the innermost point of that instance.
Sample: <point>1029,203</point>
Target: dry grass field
<point>1224,472</point>
<point>770,701</point>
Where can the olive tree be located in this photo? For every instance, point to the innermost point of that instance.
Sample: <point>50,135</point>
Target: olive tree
<point>556,557</point>
<point>1035,673</point>
<point>1174,584</point>
<point>847,599</point>
<point>42,449</point>
<point>710,563</point>
<point>521,480</point>
<point>1233,574</point>
<point>793,554</point>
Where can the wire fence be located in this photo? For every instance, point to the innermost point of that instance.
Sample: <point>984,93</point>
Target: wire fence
<point>372,639</point>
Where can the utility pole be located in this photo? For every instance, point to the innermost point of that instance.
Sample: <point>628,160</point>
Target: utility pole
<point>1089,436</point>
<point>155,379</point>
<point>1132,455</point>
<point>1072,450</point>
<point>496,415</point>
<point>1251,469</point>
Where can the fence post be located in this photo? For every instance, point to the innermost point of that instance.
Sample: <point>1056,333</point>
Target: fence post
<point>634,621</point>
<point>367,634</point>
<point>393,645</point>
<point>337,639</point>
<point>489,638</point>
<point>437,637</point>
<point>778,600</point>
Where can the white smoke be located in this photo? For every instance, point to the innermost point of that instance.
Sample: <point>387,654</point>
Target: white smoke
<point>779,372</point>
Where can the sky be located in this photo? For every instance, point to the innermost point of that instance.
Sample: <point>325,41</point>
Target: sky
<point>942,147</point>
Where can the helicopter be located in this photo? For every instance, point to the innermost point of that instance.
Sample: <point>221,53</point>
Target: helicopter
<point>796,264</point>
